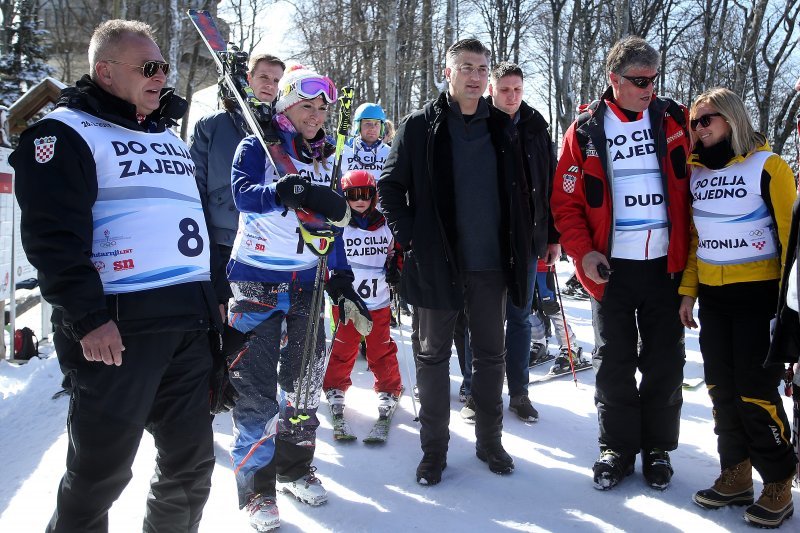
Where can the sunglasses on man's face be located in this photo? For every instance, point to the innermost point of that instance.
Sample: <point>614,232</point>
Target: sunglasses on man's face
<point>642,82</point>
<point>704,120</point>
<point>149,69</point>
<point>359,193</point>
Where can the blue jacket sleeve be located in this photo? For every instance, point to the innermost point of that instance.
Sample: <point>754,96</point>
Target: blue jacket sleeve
<point>252,192</point>
<point>337,260</point>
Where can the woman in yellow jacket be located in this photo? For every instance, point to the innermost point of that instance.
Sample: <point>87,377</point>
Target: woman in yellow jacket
<point>742,196</point>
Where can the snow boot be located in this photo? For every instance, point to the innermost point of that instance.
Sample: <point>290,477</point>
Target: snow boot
<point>429,471</point>
<point>335,401</point>
<point>468,411</point>
<point>308,488</point>
<point>657,468</point>
<point>496,457</point>
<point>611,468</point>
<point>263,513</point>
<point>734,486</point>
<point>462,393</point>
<point>521,406</point>
<point>773,507</point>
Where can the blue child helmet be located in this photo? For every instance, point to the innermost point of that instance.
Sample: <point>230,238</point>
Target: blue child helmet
<point>369,111</point>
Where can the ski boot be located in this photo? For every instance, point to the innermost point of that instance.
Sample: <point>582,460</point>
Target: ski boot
<point>308,488</point>
<point>539,354</point>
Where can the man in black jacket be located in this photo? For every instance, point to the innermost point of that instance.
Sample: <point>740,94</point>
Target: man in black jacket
<point>113,221</point>
<point>532,139</point>
<point>455,197</point>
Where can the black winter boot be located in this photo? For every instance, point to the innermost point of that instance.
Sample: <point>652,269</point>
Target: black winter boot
<point>611,468</point>
<point>496,457</point>
<point>429,471</point>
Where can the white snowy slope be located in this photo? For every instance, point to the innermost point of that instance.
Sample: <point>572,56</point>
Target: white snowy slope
<point>373,488</point>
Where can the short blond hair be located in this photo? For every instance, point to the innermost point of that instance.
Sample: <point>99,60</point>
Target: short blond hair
<point>109,33</point>
<point>743,138</point>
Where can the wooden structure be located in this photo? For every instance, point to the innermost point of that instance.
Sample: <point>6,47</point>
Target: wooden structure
<point>43,93</point>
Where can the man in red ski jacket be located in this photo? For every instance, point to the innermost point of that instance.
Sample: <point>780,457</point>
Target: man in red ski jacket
<point>621,203</point>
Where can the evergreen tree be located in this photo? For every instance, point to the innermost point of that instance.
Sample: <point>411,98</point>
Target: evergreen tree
<point>23,62</point>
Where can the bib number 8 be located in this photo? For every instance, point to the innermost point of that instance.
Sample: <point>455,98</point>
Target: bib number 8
<point>191,243</point>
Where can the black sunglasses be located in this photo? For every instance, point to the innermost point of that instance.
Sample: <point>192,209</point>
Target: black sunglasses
<point>149,69</point>
<point>359,193</point>
<point>704,120</point>
<point>642,82</point>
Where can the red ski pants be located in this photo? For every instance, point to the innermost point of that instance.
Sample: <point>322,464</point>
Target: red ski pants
<point>381,354</point>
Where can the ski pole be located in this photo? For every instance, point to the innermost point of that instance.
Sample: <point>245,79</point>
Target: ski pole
<point>405,355</point>
<point>342,130</point>
<point>566,328</point>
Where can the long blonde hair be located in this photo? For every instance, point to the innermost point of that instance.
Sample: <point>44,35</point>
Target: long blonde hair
<point>743,137</point>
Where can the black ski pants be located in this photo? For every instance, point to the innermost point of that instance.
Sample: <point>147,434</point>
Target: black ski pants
<point>162,386</point>
<point>749,418</point>
<point>641,297</point>
<point>484,307</point>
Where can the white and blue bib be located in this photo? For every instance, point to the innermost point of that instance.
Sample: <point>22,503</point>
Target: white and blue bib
<point>272,241</point>
<point>356,157</point>
<point>733,222</point>
<point>366,254</point>
<point>149,227</point>
<point>640,211</point>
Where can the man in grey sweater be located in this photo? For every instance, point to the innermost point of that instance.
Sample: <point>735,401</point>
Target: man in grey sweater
<point>213,143</point>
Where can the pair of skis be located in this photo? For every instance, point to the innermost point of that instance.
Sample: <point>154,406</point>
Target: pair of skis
<point>378,434</point>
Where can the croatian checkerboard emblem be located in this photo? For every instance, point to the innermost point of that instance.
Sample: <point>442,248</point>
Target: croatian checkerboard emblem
<point>569,183</point>
<point>759,244</point>
<point>44,149</point>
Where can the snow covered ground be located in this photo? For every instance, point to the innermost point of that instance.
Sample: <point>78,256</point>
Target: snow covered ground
<point>373,488</point>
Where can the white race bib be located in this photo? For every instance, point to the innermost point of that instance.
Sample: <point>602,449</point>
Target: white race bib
<point>733,223</point>
<point>149,227</point>
<point>640,212</point>
<point>366,254</point>
<point>272,241</point>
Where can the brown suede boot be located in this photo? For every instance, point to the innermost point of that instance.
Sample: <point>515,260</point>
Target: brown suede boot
<point>734,486</point>
<point>773,507</point>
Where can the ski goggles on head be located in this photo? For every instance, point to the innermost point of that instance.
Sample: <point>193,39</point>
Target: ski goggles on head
<point>310,88</point>
<point>359,193</point>
<point>149,69</point>
<point>642,82</point>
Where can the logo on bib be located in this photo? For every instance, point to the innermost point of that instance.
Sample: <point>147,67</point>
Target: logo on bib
<point>759,244</point>
<point>569,183</point>
<point>44,148</point>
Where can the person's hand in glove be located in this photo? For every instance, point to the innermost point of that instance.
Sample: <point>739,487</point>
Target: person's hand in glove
<point>297,192</point>
<point>393,271</point>
<point>222,393</point>
<point>351,306</point>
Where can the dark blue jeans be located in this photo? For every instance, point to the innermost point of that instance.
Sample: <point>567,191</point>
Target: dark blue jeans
<point>518,343</point>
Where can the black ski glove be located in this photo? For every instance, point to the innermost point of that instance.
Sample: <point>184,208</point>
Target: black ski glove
<point>351,306</point>
<point>295,191</point>
<point>222,395</point>
<point>292,190</point>
<point>393,271</point>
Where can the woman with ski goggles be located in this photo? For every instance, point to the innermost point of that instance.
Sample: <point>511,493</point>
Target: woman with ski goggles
<point>272,273</point>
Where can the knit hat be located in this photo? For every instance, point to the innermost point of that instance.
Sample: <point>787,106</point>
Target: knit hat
<point>288,93</point>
